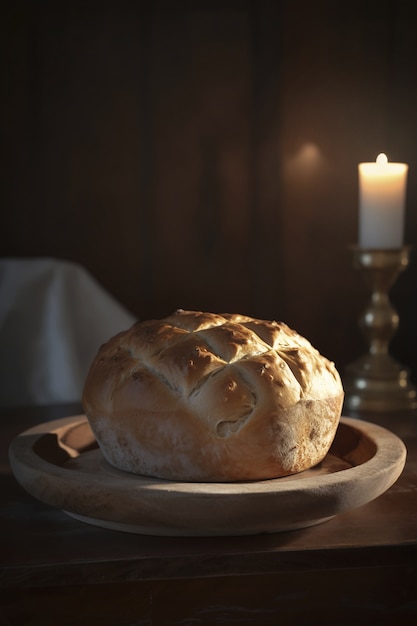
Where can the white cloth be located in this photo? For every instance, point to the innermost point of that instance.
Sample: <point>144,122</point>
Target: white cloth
<point>53,318</point>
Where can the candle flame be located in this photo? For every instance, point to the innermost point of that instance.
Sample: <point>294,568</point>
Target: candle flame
<point>382,159</point>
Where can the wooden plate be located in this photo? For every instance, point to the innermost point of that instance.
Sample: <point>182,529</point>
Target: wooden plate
<point>61,464</point>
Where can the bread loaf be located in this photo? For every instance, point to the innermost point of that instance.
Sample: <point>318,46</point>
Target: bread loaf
<point>205,397</point>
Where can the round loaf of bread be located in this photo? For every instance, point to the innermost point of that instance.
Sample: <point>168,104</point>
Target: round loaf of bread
<point>205,397</point>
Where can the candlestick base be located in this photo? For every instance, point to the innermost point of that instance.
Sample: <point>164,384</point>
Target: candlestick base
<point>376,381</point>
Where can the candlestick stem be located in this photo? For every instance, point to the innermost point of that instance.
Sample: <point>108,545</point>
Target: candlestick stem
<point>376,381</point>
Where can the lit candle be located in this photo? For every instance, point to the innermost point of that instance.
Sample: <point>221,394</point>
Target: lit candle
<point>382,189</point>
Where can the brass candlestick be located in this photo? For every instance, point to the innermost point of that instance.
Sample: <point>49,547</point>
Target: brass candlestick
<point>376,381</point>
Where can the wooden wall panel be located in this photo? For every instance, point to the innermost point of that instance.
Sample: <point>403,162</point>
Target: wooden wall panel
<point>341,106</point>
<point>201,146</point>
<point>204,154</point>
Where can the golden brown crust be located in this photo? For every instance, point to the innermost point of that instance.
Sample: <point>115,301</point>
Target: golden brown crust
<point>205,397</point>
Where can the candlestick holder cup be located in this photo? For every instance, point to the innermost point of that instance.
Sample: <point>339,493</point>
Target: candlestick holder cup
<point>376,382</point>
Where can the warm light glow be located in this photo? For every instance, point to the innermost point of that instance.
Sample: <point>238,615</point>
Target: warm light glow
<point>382,159</point>
<point>308,153</point>
<point>305,164</point>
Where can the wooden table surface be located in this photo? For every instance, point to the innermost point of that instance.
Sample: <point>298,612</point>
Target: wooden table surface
<point>358,567</point>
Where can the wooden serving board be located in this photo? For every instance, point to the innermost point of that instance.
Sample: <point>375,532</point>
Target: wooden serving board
<point>61,464</point>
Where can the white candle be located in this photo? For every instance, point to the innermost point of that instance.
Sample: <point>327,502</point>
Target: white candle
<point>382,190</point>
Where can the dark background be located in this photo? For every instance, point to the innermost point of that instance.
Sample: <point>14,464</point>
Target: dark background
<point>204,154</point>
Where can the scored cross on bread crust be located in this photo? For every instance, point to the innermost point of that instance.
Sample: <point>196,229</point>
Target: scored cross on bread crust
<point>206,397</point>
